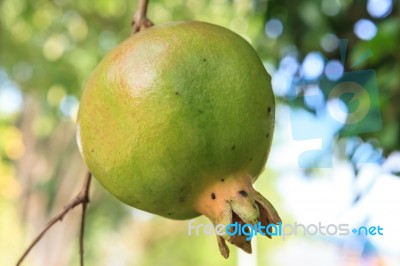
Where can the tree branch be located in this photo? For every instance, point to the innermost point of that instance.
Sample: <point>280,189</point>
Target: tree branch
<point>140,20</point>
<point>81,198</point>
<point>85,198</point>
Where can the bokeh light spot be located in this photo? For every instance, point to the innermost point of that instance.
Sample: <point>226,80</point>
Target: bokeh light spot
<point>329,42</point>
<point>334,70</point>
<point>55,94</point>
<point>365,29</point>
<point>330,7</point>
<point>55,47</point>
<point>69,107</point>
<point>379,8</point>
<point>289,65</point>
<point>274,28</point>
<point>313,65</point>
<point>10,98</point>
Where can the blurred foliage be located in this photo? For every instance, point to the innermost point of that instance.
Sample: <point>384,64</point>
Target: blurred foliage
<point>311,25</point>
<point>47,51</point>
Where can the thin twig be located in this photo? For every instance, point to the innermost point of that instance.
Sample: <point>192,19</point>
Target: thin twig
<point>81,198</point>
<point>140,20</point>
<point>85,194</point>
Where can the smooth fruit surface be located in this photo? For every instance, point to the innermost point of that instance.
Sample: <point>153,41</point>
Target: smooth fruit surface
<point>173,110</point>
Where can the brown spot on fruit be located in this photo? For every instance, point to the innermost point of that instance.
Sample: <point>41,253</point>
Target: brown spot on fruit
<point>213,196</point>
<point>243,193</point>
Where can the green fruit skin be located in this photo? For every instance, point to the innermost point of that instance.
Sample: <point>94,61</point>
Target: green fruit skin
<point>173,109</point>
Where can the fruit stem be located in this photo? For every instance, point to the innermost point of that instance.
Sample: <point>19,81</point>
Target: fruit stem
<point>140,20</point>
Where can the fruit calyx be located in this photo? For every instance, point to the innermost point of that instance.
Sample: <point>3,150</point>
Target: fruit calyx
<point>233,199</point>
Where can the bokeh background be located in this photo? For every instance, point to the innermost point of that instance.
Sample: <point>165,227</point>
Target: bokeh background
<point>47,51</point>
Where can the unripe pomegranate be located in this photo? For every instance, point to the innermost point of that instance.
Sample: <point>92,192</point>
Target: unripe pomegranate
<point>178,121</point>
